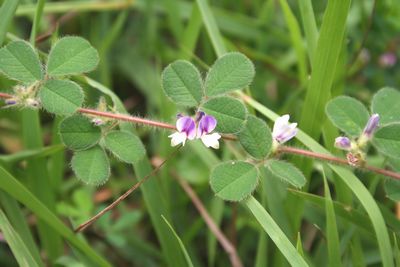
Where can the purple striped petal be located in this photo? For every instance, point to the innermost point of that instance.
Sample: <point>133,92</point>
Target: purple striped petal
<point>371,126</point>
<point>206,125</point>
<point>187,125</point>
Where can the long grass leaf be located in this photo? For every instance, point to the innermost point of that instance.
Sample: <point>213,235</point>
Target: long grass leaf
<point>331,229</point>
<point>324,66</point>
<point>20,251</point>
<point>7,10</point>
<point>297,41</point>
<point>309,25</point>
<point>183,248</point>
<point>14,188</point>
<point>274,232</point>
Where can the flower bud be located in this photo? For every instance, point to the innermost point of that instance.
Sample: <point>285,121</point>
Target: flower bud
<point>371,126</point>
<point>343,142</point>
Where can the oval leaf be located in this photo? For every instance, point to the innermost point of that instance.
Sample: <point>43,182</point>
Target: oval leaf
<point>229,112</point>
<point>72,55</point>
<point>182,83</point>
<point>387,140</point>
<point>234,180</point>
<point>392,189</point>
<point>61,97</point>
<point>348,114</point>
<point>19,61</point>
<point>78,133</point>
<point>91,166</point>
<point>233,71</point>
<point>286,172</point>
<point>125,145</point>
<point>386,103</point>
<point>256,137</point>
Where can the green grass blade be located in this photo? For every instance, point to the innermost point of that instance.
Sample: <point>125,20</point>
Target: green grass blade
<point>15,189</point>
<point>17,245</point>
<point>332,235</point>
<point>309,25</point>
<point>38,179</point>
<point>274,232</point>
<point>324,66</point>
<point>211,26</point>
<point>297,41</point>
<point>358,188</point>
<point>299,245</point>
<point>36,20</point>
<point>20,225</point>
<point>191,34</point>
<point>183,248</point>
<point>32,153</point>
<point>7,11</point>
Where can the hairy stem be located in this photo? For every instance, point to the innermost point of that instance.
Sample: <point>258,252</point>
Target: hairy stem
<point>340,161</point>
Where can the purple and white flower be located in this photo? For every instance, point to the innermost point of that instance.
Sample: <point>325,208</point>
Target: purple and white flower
<point>283,131</point>
<point>371,126</point>
<point>206,125</point>
<point>186,130</point>
<point>343,142</point>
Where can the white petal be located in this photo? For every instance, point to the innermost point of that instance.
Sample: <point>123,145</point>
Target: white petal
<point>280,124</point>
<point>211,140</point>
<point>177,138</point>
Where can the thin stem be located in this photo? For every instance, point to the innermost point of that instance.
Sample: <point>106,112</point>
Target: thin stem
<point>36,20</point>
<point>340,161</point>
<point>89,222</point>
<point>222,239</point>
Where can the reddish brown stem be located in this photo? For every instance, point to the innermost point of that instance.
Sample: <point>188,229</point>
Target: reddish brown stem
<point>225,243</point>
<point>310,154</point>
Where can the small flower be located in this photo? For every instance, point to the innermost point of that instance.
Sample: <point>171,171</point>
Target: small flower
<point>388,59</point>
<point>343,142</point>
<point>207,124</point>
<point>186,130</point>
<point>11,101</point>
<point>31,102</point>
<point>283,131</point>
<point>371,126</point>
<point>97,121</point>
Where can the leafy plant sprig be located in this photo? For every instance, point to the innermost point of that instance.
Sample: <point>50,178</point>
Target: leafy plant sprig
<point>217,113</point>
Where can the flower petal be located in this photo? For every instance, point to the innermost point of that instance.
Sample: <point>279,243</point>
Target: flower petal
<point>178,138</point>
<point>206,125</point>
<point>372,124</point>
<point>211,140</point>
<point>343,142</point>
<point>280,124</point>
<point>185,124</point>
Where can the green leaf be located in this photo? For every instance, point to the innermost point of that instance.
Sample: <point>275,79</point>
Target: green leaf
<point>17,245</point>
<point>326,56</point>
<point>78,133</point>
<point>19,61</point>
<point>286,172</point>
<point>182,246</point>
<point>386,103</point>
<point>348,114</point>
<point>182,83</point>
<point>229,112</point>
<point>125,145</point>
<point>91,166</point>
<point>71,55</point>
<point>275,233</point>
<point>231,72</point>
<point>256,137</point>
<point>61,97</point>
<point>392,189</point>
<point>234,180</point>
<point>387,140</point>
